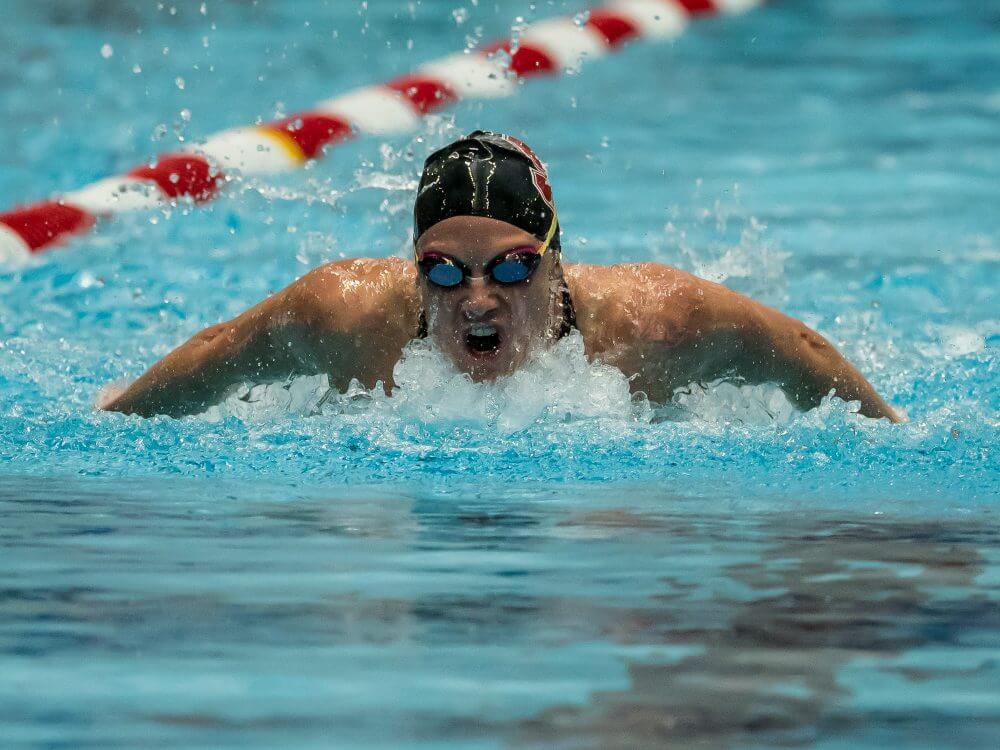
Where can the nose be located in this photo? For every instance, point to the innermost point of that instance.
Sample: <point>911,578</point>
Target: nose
<point>479,303</point>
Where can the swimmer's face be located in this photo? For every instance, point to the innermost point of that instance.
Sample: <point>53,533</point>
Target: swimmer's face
<point>486,328</point>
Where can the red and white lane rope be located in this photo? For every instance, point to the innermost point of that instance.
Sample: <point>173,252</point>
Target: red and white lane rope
<point>196,173</point>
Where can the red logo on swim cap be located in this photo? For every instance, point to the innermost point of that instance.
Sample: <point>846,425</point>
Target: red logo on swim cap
<point>539,175</point>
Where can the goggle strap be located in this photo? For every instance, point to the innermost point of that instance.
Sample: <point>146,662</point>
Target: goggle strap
<point>550,234</point>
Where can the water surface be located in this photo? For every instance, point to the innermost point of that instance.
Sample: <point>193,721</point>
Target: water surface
<point>549,563</point>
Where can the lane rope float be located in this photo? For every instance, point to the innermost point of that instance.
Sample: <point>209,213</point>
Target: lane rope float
<point>196,173</point>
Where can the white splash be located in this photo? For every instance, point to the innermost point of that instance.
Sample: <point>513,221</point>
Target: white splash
<point>728,403</point>
<point>558,385</point>
<point>753,266</point>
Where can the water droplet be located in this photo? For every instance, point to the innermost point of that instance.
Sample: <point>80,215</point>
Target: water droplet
<point>107,51</point>
<point>180,82</point>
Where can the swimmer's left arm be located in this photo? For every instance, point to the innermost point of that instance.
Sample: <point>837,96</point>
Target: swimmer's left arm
<point>735,336</point>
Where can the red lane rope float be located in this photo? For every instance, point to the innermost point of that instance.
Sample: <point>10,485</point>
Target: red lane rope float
<point>309,133</point>
<point>181,175</point>
<point>196,173</point>
<point>42,224</point>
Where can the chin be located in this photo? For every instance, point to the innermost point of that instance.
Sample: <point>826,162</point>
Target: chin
<point>489,364</point>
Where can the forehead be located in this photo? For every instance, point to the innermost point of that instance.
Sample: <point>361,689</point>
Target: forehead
<point>468,236</point>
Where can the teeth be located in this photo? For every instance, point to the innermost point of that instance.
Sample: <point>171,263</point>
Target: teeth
<point>483,329</point>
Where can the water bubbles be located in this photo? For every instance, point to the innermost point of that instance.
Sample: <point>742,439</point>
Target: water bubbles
<point>460,15</point>
<point>107,51</point>
<point>137,69</point>
<point>179,82</point>
<point>363,13</point>
<point>86,280</point>
<point>503,59</point>
<point>581,19</point>
<point>954,341</point>
<point>722,403</point>
<point>748,262</point>
<point>516,30</point>
<point>557,386</point>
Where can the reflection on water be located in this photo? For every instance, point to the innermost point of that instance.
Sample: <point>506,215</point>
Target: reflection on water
<point>769,669</point>
<point>181,613</point>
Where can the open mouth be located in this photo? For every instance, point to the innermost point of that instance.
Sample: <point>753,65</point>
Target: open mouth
<point>483,339</point>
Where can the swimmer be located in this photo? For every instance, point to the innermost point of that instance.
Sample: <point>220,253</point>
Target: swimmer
<point>489,288</point>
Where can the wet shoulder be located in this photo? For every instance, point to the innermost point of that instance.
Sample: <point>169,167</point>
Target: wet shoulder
<point>625,302</point>
<point>358,293</point>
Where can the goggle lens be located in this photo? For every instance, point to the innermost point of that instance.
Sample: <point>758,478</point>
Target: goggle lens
<point>445,274</point>
<point>512,270</point>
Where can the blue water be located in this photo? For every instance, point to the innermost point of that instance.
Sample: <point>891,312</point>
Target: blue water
<point>554,566</point>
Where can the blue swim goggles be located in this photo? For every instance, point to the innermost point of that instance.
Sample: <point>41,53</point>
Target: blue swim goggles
<point>509,267</point>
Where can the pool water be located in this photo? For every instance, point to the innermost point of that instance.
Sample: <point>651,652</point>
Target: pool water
<point>549,562</point>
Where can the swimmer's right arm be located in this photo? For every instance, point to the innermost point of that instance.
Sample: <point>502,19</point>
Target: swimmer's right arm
<point>197,373</point>
<point>315,325</point>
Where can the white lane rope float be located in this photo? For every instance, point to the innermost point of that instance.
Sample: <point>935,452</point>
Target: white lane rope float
<point>195,173</point>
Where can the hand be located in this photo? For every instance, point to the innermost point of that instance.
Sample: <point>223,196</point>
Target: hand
<point>108,393</point>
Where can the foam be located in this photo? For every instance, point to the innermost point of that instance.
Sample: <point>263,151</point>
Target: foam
<point>557,386</point>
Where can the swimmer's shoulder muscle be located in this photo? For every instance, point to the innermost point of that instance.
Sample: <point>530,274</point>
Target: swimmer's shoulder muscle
<point>622,304</point>
<point>352,318</point>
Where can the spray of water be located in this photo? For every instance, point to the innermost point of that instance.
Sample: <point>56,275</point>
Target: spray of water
<point>557,385</point>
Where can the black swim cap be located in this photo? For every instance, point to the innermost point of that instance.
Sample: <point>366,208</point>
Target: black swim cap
<point>486,174</point>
